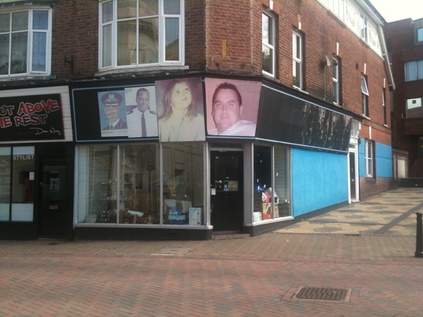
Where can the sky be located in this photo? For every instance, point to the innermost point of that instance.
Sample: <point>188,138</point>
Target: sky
<point>394,10</point>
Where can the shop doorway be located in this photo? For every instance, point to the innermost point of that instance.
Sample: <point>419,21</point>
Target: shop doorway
<point>227,191</point>
<point>53,208</point>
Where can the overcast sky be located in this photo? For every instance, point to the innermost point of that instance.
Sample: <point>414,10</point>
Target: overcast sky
<point>394,10</point>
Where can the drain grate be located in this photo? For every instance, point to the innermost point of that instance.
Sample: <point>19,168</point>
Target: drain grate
<point>322,293</point>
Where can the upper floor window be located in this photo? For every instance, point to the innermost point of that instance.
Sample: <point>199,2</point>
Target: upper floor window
<point>364,27</point>
<point>420,35</point>
<point>414,108</point>
<point>141,33</point>
<point>364,96</point>
<point>385,119</point>
<point>414,70</point>
<point>297,60</point>
<point>370,158</point>
<point>25,43</point>
<point>268,43</point>
<point>336,80</point>
<point>338,8</point>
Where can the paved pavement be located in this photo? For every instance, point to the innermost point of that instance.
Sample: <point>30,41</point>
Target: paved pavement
<point>364,251</point>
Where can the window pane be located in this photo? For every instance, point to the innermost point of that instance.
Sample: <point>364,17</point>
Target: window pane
<point>19,21</point>
<point>19,51</point>
<point>364,89</point>
<point>127,43</point>
<point>139,184</point>
<point>148,42</point>
<point>5,165</point>
<point>107,46</point>
<point>263,183</point>
<point>39,52</point>
<point>267,56</point>
<point>265,29</point>
<point>5,22</point>
<point>420,35</point>
<point>281,192</point>
<point>107,11</point>
<point>420,69</point>
<point>97,181</point>
<point>183,182</point>
<point>127,9</point>
<point>4,54</point>
<point>23,184</point>
<point>411,71</point>
<point>40,20</point>
<point>172,6</point>
<point>172,39</point>
<point>149,7</point>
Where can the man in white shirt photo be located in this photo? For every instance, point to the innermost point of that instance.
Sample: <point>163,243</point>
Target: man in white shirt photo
<point>142,121</point>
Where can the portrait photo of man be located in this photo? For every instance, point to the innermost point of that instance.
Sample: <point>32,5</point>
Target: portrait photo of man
<point>112,114</point>
<point>232,107</point>
<point>142,117</point>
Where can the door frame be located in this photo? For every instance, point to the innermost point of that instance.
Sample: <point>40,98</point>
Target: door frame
<point>225,147</point>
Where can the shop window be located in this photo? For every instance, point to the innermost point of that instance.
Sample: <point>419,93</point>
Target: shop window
<point>123,184</point>
<point>268,43</point>
<point>271,191</point>
<point>25,41</point>
<point>141,33</point>
<point>414,108</point>
<point>17,184</point>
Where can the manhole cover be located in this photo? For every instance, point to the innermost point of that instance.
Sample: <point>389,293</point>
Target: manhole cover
<point>322,293</point>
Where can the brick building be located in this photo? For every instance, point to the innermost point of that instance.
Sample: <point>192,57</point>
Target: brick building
<point>255,113</point>
<point>405,43</point>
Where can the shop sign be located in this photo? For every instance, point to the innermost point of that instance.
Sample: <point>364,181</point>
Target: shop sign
<point>26,118</point>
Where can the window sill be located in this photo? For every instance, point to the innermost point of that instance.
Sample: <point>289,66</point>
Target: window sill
<point>143,70</point>
<point>27,77</point>
<point>366,117</point>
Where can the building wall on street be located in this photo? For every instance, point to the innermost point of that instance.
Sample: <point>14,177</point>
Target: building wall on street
<point>401,38</point>
<point>382,181</point>
<point>319,180</point>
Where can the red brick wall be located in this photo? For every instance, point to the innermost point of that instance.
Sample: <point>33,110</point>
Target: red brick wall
<point>75,35</point>
<point>400,36</point>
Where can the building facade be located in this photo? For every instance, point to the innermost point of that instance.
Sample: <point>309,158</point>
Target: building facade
<point>405,43</point>
<point>179,119</point>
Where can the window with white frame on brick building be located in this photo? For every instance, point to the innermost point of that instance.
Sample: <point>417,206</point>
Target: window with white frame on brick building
<point>268,43</point>
<point>141,33</point>
<point>25,42</point>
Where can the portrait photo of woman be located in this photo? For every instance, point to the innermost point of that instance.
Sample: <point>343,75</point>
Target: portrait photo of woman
<point>181,112</point>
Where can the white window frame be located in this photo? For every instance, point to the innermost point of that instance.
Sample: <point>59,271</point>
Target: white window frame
<point>370,158</point>
<point>336,80</point>
<point>161,38</point>
<point>385,118</point>
<point>269,41</point>
<point>365,96</point>
<point>30,42</point>
<point>364,27</point>
<point>297,59</point>
<point>338,8</point>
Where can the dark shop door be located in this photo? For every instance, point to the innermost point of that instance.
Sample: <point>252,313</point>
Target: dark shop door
<point>227,194</point>
<point>52,203</point>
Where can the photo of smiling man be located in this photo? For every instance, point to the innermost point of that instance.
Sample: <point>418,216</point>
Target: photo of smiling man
<point>232,107</point>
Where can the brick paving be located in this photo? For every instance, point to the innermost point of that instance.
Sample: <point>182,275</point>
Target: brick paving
<point>249,276</point>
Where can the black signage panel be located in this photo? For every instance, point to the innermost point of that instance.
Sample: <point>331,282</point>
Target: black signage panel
<point>294,120</point>
<point>31,118</point>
